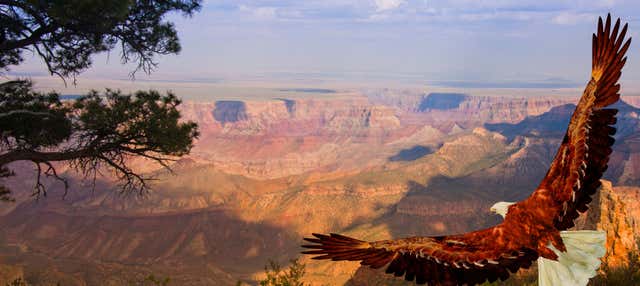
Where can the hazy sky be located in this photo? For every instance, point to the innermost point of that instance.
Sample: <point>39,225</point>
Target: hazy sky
<point>421,40</point>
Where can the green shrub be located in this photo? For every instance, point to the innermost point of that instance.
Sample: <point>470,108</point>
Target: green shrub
<point>278,277</point>
<point>18,282</point>
<point>625,275</point>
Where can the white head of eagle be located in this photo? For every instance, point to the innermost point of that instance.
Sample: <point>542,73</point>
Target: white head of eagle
<point>501,208</point>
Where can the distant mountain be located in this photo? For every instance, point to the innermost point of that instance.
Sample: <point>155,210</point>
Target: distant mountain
<point>551,126</point>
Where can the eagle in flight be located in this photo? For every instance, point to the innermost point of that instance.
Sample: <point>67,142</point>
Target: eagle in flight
<point>532,229</point>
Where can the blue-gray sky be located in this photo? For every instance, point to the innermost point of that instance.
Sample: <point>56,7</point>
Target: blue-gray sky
<point>454,40</point>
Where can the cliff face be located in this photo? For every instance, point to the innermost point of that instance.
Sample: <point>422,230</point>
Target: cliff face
<point>278,138</point>
<point>631,198</point>
<point>490,109</point>
<point>608,212</point>
<point>290,117</point>
<point>282,137</point>
<point>465,108</point>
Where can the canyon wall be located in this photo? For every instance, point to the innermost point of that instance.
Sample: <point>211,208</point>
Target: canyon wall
<point>265,173</point>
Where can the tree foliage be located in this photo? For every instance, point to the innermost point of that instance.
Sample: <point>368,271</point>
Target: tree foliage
<point>626,274</point>
<point>152,280</point>
<point>91,133</point>
<point>276,276</point>
<point>5,193</point>
<point>18,282</point>
<point>66,33</point>
<point>29,119</point>
<point>98,130</point>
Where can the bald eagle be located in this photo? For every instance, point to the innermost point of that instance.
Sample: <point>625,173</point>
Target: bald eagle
<point>532,229</point>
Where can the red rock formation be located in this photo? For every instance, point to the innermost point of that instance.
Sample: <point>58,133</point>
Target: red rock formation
<point>630,196</point>
<point>609,212</point>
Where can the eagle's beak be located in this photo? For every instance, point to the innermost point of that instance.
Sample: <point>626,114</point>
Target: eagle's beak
<point>493,210</point>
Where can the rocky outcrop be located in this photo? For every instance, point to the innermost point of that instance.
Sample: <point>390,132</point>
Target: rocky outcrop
<point>630,196</point>
<point>608,212</point>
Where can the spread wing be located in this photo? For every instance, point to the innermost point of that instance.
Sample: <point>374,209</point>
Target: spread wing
<point>582,158</point>
<point>468,259</point>
<point>492,253</point>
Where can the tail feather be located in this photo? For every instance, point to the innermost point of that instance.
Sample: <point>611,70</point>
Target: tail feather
<point>578,264</point>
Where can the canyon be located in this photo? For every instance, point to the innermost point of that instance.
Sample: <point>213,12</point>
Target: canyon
<point>373,164</point>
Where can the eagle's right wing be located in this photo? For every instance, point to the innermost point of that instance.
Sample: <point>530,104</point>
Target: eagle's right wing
<point>574,174</point>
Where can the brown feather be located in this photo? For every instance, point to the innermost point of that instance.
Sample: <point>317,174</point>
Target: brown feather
<point>590,125</point>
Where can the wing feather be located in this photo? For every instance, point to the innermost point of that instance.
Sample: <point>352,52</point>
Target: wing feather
<point>575,172</point>
<point>469,259</point>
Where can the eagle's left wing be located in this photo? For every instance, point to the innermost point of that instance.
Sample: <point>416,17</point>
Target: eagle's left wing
<point>468,259</point>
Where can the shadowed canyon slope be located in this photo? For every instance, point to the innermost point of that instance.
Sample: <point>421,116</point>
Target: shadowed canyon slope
<point>265,173</point>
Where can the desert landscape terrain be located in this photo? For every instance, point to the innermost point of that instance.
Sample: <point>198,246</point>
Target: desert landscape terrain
<point>373,163</point>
